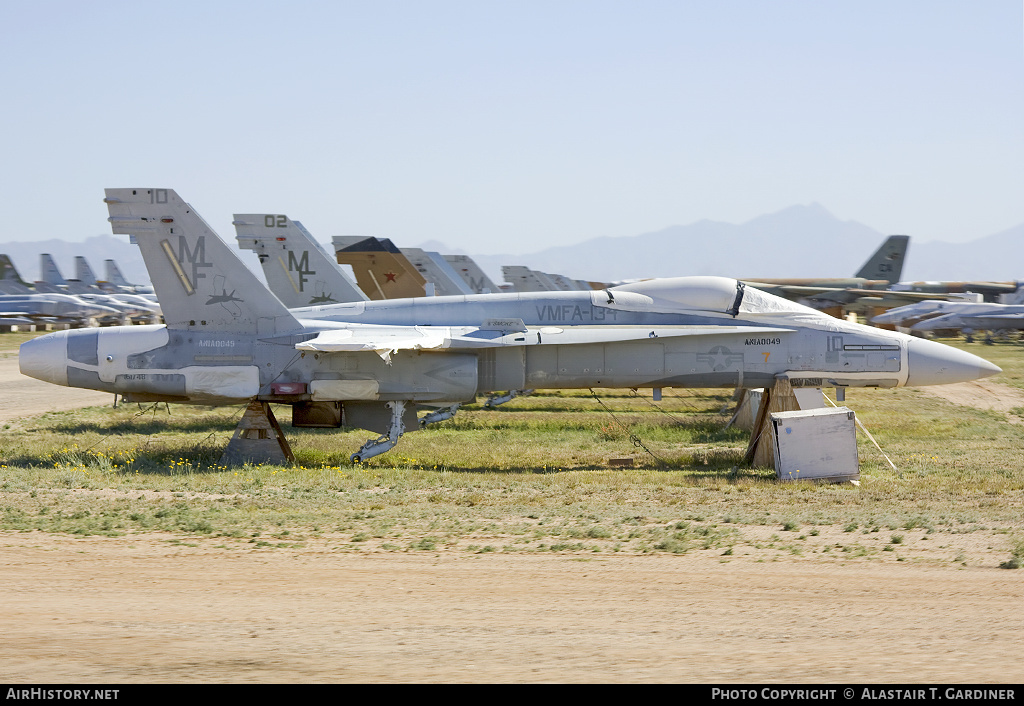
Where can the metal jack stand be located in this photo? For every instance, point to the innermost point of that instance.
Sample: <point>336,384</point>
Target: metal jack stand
<point>381,444</point>
<point>438,415</point>
<point>258,439</point>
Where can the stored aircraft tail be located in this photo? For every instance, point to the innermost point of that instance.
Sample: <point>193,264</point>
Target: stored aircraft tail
<point>382,271</point>
<point>49,272</point>
<point>299,272</point>
<point>471,274</point>
<point>887,262</point>
<point>84,273</point>
<point>201,284</point>
<point>436,270</point>
<point>10,281</point>
<point>114,275</point>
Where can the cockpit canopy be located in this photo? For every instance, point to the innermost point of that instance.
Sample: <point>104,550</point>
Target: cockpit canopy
<point>713,294</point>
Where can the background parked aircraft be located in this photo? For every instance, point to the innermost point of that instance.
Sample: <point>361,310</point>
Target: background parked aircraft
<point>696,332</point>
<point>382,271</point>
<point>298,270</point>
<point>474,277</point>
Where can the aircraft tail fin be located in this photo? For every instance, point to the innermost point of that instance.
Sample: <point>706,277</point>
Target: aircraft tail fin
<point>201,284</point>
<point>10,281</point>
<point>435,269</point>
<point>474,277</point>
<point>381,270</point>
<point>523,279</point>
<point>887,262</point>
<point>49,272</point>
<point>114,275</point>
<point>84,273</point>
<point>299,271</point>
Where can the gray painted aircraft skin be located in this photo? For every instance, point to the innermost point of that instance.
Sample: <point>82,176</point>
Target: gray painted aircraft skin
<point>373,368</point>
<point>471,273</point>
<point>52,307</point>
<point>298,270</point>
<point>909,315</point>
<point>937,315</point>
<point>108,309</point>
<point>436,270</point>
<point>976,317</point>
<point>10,281</point>
<point>84,273</point>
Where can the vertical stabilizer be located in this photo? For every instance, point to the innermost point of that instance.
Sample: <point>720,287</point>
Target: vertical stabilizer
<point>10,280</point>
<point>382,271</point>
<point>84,273</point>
<point>114,275</point>
<point>887,262</point>
<point>471,274</point>
<point>299,272</point>
<point>201,284</point>
<point>436,269</point>
<point>523,279</point>
<point>49,272</point>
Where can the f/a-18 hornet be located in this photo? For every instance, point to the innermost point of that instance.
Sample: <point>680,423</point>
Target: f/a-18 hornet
<point>369,364</point>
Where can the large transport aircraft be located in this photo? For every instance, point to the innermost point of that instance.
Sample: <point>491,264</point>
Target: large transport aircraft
<point>228,340</point>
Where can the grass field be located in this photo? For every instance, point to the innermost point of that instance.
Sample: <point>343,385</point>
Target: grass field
<point>534,475</point>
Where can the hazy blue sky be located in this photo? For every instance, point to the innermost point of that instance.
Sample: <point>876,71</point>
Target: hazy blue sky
<point>510,126</point>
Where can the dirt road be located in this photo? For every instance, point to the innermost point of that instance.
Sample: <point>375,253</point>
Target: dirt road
<point>982,394</point>
<point>24,396</point>
<point>144,609</point>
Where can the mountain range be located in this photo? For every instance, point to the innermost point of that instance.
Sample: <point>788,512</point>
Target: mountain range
<point>799,241</point>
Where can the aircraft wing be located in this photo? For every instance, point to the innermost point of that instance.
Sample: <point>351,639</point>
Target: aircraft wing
<point>15,318</point>
<point>385,340</point>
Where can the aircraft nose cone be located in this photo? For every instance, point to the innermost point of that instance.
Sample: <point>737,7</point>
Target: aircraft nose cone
<point>932,363</point>
<point>45,358</point>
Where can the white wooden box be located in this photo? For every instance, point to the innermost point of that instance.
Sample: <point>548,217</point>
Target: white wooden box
<point>816,444</point>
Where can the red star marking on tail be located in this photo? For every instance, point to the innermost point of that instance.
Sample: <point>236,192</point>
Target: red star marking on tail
<point>390,276</point>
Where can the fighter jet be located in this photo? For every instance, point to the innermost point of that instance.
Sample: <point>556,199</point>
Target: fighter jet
<point>971,318</point>
<point>910,314</point>
<point>52,307</point>
<point>373,362</point>
<point>298,270</point>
